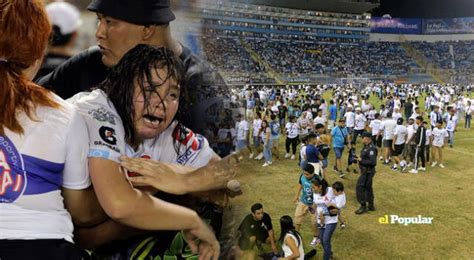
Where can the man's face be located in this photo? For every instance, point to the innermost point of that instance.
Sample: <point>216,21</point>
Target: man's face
<point>258,215</point>
<point>163,100</point>
<point>342,123</point>
<point>116,37</point>
<point>366,140</point>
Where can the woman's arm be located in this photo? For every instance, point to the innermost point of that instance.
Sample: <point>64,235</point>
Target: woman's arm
<point>84,207</point>
<point>137,209</point>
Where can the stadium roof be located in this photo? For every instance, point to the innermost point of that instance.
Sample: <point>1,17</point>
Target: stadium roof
<point>336,6</point>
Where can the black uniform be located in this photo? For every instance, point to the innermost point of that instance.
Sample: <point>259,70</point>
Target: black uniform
<point>365,193</point>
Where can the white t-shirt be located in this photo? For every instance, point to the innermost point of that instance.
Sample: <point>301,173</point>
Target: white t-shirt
<point>34,166</point>
<point>360,121</point>
<point>257,124</point>
<point>375,126</point>
<point>350,119</point>
<point>291,130</point>
<point>303,152</point>
<point>303,125</point>
<point>428,136</point>
<point>107,136</point>
<point>396,116</point>
<point>400,134</point>
<point>451,122</point>
<point>388,127</point>
<point>439,136</point>
<point>319,120</point>
<point>411,131</point>
<point>322,203</point>
<point>287,250</point>
<point>242,130</point>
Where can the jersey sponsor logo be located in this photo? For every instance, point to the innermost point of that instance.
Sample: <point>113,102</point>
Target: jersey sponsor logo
<point>103,115</point>
<point>108,135</point>
<point>111,147</point>
<point>12,173</point>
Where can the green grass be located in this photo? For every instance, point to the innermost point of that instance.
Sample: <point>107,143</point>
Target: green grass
<point>445,194</point>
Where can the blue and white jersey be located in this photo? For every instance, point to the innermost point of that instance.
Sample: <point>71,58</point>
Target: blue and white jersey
<point>107,136</point>
<point>34,166</point>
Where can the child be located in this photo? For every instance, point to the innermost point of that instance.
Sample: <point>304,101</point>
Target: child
<point>439,138</point>
<point>351,159</point>
<point>339,199</point>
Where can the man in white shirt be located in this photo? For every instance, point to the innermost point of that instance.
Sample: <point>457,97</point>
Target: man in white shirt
<point>469,112</point>
<point>399,139</point>
<point>451,122</point>
<point>396,114</point>
<point>375,128</point>
<point>439,138</point>
<point>387,128</point>
<point>350,119</point>
<point>359,124</point>
<point>435,116</point>
<point>242,128</point>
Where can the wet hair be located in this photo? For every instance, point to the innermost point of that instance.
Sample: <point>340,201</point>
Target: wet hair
<point>287,227</point>
<point>255,207</point>
<point>137,66</point>
<point>27,22</point>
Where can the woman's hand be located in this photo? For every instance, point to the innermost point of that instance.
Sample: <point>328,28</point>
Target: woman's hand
<point>207,247</point>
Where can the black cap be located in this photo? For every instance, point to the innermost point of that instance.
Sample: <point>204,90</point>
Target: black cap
<point>142,12</point>
<point>366,134</point>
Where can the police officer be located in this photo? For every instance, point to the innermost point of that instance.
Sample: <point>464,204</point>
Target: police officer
<point>367,162</point>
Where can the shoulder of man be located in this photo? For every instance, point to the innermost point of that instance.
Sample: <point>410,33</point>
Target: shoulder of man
<point>78,73</point>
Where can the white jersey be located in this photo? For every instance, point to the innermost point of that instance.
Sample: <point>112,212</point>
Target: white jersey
<point>388,127</point>
<point>439,136</point>
<point>257,124</point>
<point>34,166</point>
<point>107,136</point>
<point>451,122</point>
<point>242,130</point>
<point>400,134</point>
<point>350,119</point>
<point>375,126</point>
<point>360,121</point>
<point>291,130</point>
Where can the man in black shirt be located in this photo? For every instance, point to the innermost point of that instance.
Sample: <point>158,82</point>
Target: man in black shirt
<point>121,26</point>
<point>255,230</point>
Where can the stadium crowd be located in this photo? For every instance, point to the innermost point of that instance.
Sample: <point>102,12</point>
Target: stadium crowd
<point>390,120</point>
